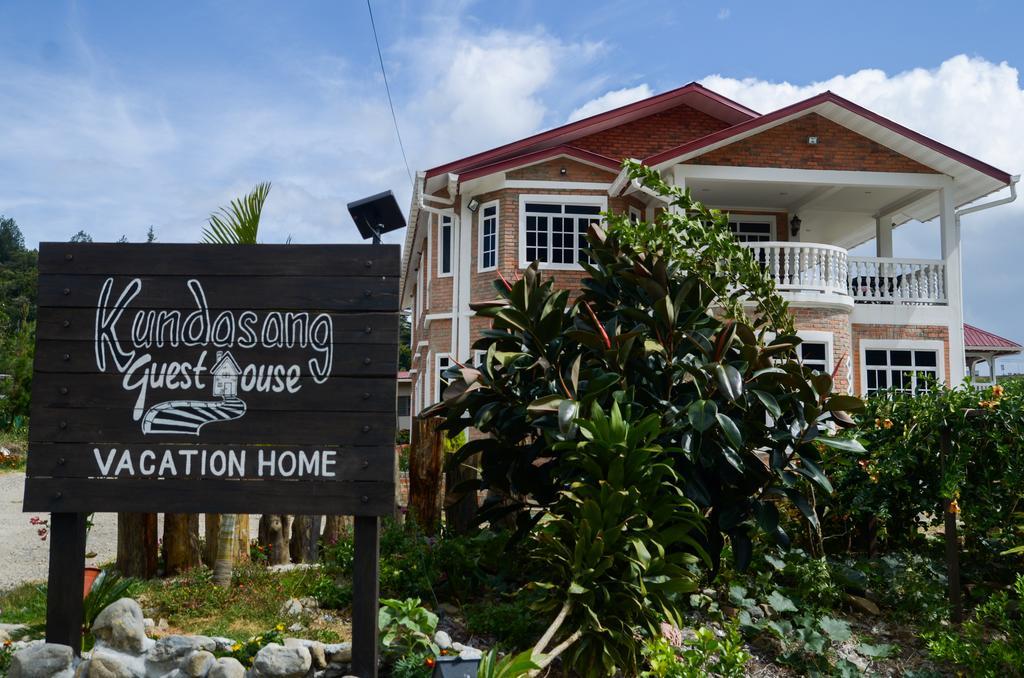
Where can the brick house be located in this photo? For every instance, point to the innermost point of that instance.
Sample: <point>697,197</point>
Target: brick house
<point>803,185</point>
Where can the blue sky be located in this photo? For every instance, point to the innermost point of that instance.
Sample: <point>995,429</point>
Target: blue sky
<point>119,115</point>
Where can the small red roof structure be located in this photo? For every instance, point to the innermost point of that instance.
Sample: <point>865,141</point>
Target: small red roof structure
<point>978,339</point>
<point>404,375</point>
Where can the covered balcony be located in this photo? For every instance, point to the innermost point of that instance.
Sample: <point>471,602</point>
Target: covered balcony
<point>828,273</point>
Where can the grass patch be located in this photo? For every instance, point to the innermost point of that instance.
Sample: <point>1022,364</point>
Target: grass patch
<point>250,606</point>
<point>191,604</point>
<point>16,445</point>
<point>24,604</point>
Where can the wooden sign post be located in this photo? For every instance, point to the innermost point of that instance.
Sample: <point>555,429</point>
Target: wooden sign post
<point>214,379</point>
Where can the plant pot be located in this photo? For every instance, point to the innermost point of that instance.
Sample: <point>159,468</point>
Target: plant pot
<point>90,576</point>
<point>454,667</point>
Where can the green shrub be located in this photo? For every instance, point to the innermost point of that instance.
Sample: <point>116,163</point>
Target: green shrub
<point>898,486</point>
<point>702,655</point>
<point>991,642</point>
<point>513,623</point>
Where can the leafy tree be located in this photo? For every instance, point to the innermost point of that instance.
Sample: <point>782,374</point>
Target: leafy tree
<point>150,235</point>
<point>18,274</point>
<point>81,236</point>
<point>404,337</point>
<point>239,223</point>
<point>663,327</point>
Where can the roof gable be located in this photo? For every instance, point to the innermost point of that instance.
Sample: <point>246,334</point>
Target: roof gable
<point>786,145</point>
<point>693,96</point>
<point>653,133</point>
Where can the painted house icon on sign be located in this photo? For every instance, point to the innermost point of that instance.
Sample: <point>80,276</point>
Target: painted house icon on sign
<point>225,375</point>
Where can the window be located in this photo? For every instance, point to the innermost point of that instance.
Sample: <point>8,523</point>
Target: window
<point>908,367</point>
<point>753,227</point>
<point>814,354</point>
<point>634,215</point>
<point>444,247</point>
<point>554,233</point>
<point>488,237</point>
<point>443,363</point>
<point>403,406</point>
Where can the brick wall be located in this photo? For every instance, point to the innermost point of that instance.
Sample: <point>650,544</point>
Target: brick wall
<point>551,170</point>
<point>898,332</point>
<point>647,136</point>
<point>785,145</point>
<point>837,322</point>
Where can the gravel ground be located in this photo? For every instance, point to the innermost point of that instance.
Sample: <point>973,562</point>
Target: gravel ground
<point>23,556</point>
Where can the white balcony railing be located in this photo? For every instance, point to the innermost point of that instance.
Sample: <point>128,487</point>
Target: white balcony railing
<point>829,270</point>
<point>893,281</point>
<point>804,267</point>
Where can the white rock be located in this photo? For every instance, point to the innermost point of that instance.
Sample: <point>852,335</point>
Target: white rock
<point>291,607</point>
<point>198,664</point>
<point>148,623</point>
<point>222,644</point>
<point>469,653</point>
<point>295,627</point>
<point>227,667</point>
<point>316,650</point>
<point>278,661</point>
<point>442,640</point>
<point>120,627</point>
<point>338,653</point>
<point>42,660</point>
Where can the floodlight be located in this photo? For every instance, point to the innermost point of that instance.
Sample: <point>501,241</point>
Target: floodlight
<point>376,215</point>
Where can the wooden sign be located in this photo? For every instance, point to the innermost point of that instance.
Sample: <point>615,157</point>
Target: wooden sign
<point>215,379</point>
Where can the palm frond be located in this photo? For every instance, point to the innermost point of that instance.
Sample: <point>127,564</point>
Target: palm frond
<point>239,223</point>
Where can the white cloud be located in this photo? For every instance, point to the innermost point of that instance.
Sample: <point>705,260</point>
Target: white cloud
<point>482,89</point>
<point>971,104</point>
<point>724,13</point>
<point>610,100</point>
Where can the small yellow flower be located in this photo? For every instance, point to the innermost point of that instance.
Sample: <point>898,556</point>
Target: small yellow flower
<point>998,391</point>
<point>279,627</point>
<point>954,507</point>
<point>887,423</point>
<point>236,647</point>
<point>878,423</point>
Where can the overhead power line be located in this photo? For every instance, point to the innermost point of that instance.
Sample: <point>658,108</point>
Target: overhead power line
<point>387,88</point>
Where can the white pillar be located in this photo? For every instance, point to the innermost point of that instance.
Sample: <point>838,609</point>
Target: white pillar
<point>883,236</point>
<point>950,243</point>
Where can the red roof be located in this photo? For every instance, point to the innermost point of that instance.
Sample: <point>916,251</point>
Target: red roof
<point>978,338</point>
<point>694,95</point>
<point>827,97</point>
<point>404,376</point>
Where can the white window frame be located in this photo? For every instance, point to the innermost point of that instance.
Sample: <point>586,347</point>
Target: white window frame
<point>757,219</point>
<point>897,345</point>
<point>496,204</point>
<point>554,199</point>
<point>819,337</point>
<point>438,370</point>
<point>444,221</point>
<point>635,215</point>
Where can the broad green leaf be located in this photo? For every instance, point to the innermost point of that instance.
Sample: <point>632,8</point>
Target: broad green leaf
<point>836,629</point>
<point>732,432</point>
<point>702,414</point>
<point>769,402</point>
<point>781,603</point>
<point>844,444</point>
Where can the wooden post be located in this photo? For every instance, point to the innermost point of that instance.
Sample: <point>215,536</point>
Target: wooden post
<point>365,594</point>
<point>426,456</point>
<point>273,532</point>
<point>66,580</point>
<point>952,543</point>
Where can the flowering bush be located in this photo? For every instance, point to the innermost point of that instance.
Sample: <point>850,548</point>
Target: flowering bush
<point>900,482</point>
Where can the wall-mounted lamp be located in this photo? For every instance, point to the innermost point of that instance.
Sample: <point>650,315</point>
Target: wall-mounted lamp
<point>563,171</point>
<point>473,204</point>
<point>794,225</point>
<point>813,140</point>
